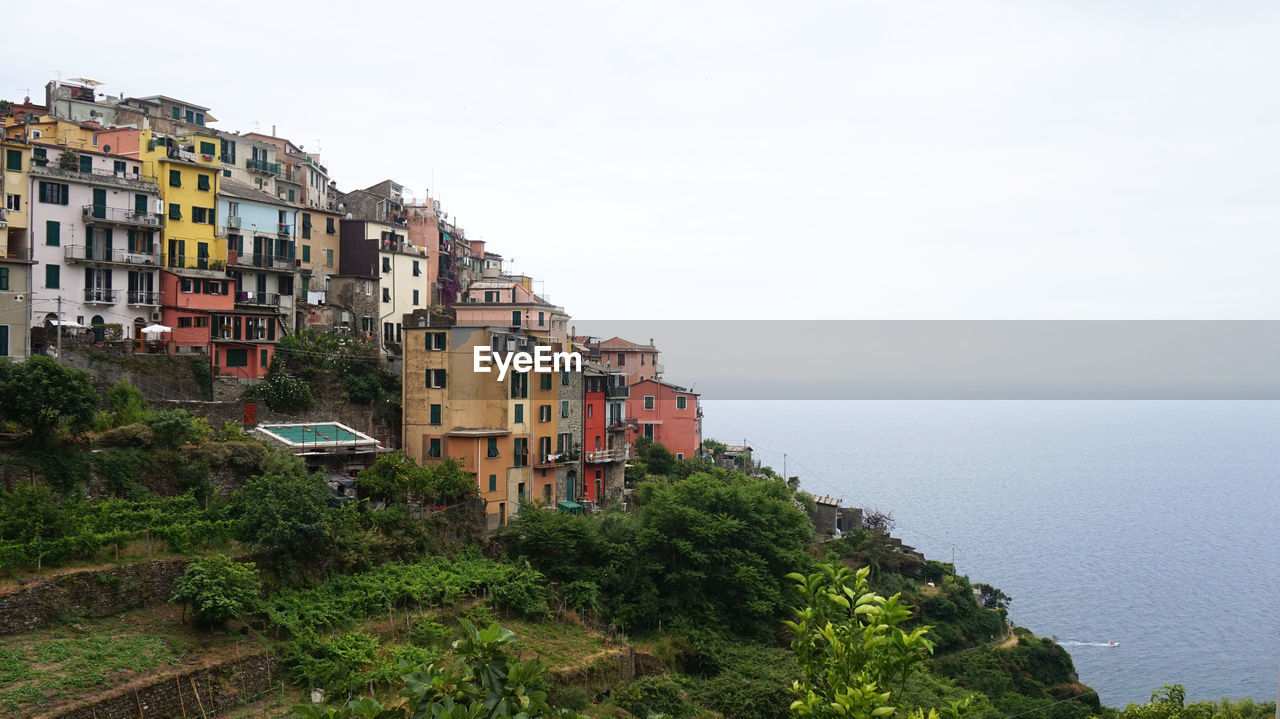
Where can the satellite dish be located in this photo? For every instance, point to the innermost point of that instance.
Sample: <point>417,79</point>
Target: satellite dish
<point>106,148</point>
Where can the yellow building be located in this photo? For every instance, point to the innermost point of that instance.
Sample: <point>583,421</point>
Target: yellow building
<point>494,428</point>
<point>13,215</point>
<point>189,171</point>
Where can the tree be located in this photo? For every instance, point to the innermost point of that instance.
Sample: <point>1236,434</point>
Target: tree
<point>851,651</point>
<point>176,427</point>
<point>216,589</point>
<point>718,547</point>
<point>127,403</point>
<point>42,395</point>
<point>659,459</point>
<point>284,512</point>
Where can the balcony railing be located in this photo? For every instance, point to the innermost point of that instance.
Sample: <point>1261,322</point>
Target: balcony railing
<point>101,296</point>
<point>97,253</point>
<point>271,262</point>
<point>200,263</point>
<point>609,455</point>
<point>266,299</point>
<point>143,298</point>
<point>552,459</point>
<point>126,179</point>
<point>118,216</point>
<point>272,168</point>
<point>617,392</point>
<point>13,253</point>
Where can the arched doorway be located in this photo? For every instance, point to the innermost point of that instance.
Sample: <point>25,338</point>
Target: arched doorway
<point>99,328</point>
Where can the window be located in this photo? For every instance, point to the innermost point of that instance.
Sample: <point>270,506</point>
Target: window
<point>622,360</point>
<point>86,163</point>
<point>564,408</point>
<point>13,160</point>
<point>679,455</point>
<point>12,202</point>
<point>520,447</point>
<point>436,341</point>
<point>515,318</point>
<point>520,413</point>
<point>51,276</point>
<point>177,112</point>
<point>648,431</point>
<point>436,378</point>
<point>54,193</point>
<point>417,272</point>
<point>175,178</point>
<point>328,258</point>
<point>175,211</point>
<point>490,296</point>
<point>415,298</point>
<point>140,204</point>
<point>52,233</point>
<point>200,215</point>
<point>648,401</point>
<point>434,449</point>
<point>386,264</point>
<point>39,156</point>
<point>493,452</point>
<point>435,413</point>
<point>544,381</point>
<point>4,278</point>
<point>493,483</point>
<point>386,294</point>
<point>306,253</point>
<point>544,413</point>
<point>118,167</point>
<point>541,321</point>
<point>237,358</point>
<point>590,411</point>
<point>185,285</point>
<point>184,322</point>
<point>206,148</point>
<point>292,197</point>
<point>519,385</point>
<point>202,182</point>
<point>306,225</point>
<point>328,225</point>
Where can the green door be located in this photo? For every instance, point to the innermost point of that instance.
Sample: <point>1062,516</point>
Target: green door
<point>99,203</point>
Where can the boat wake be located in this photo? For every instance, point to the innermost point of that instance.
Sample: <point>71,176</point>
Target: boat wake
<point>1074,643</point>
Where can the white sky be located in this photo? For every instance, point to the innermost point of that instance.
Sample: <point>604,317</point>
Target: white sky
<point>753,161</point>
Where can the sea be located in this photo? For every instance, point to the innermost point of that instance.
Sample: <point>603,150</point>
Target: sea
<point>1152,524</point>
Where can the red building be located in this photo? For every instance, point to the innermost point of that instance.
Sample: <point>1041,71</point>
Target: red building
<point>668,414</point>
<point>200,309</point>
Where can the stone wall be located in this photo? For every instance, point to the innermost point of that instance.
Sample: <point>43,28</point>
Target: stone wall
<point>201,691</point>
<point>98,593</point>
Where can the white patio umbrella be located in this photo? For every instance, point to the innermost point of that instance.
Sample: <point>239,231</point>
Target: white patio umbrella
<point>155,329</point>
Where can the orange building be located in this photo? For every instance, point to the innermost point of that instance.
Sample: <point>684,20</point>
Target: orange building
<point>667,414</point>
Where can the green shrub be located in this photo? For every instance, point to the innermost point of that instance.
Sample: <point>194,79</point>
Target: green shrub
<point>429,633</point>
<point>571,697</point>
<point>582,596</point>
<point>174,428</point>
<point>127,403</point>
<point>216,589</point>
<point>130,435</point>
<point>363,388</point>
<point>652,695</point>
<point>283,392</point>
<point>202,375</point>
<point>524,594</point>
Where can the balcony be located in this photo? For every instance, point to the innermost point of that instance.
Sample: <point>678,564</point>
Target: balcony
<point>143,299</point>
<point>96,253</point>
<point>555,459</point>
<point>200,263</point>
<point>98,296</point>
<point>97,214</point>
<point>609,455</point>
<point>617,392</point>
<point>98,177</point>
<point>266,262</point>
<point>269,168</point>
<point>225,335</point>
<point>621,425</point>
<point>13,253</point>
<point>285,230</point>
<point>258,299</point>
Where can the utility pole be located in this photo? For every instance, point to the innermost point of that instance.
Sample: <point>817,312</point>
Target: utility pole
<point>59,329</point>
<point>784,467</point>
<point>953,562</point>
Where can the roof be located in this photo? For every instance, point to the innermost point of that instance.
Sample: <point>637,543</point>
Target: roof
<point>184,103</point>
<point>241,191</point>
<point>665,383</point>
<point>736,449</point>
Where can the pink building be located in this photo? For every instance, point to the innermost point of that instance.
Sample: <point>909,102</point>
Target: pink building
<point>507,303</point>
<point>637,361</point>
<point>200,310</point>
<point>667,414</point>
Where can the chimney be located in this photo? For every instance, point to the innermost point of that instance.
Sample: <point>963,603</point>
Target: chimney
<point>273,130</point>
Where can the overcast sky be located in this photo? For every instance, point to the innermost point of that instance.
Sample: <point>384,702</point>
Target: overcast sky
<point>746,160</point>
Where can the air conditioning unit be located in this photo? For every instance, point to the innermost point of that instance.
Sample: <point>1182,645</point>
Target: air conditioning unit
<point>155,316</point>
